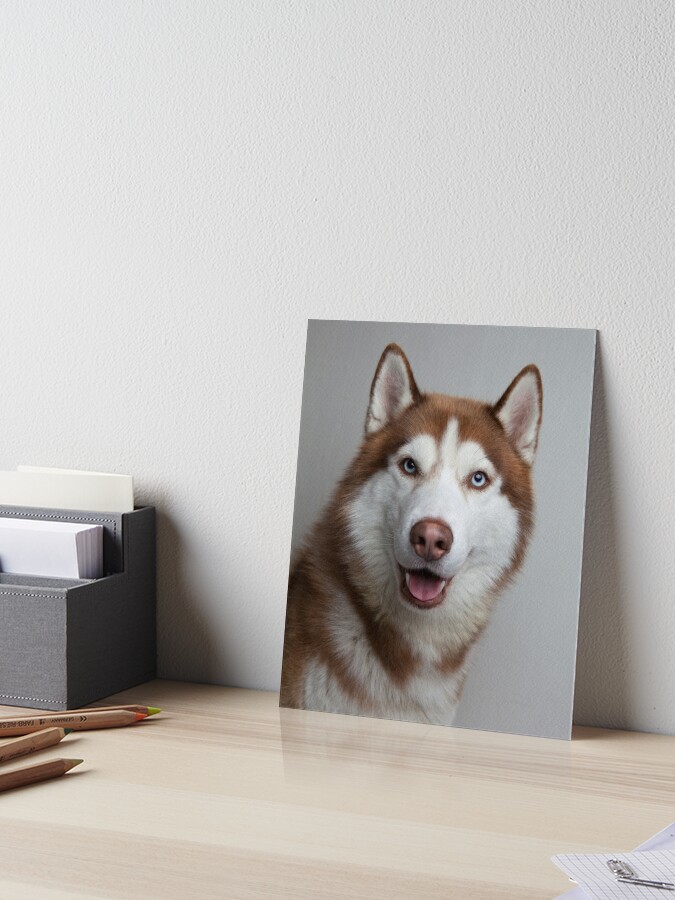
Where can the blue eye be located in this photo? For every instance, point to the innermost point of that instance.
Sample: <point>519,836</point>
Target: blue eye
<point>409,466</point>
<point>479,480</point>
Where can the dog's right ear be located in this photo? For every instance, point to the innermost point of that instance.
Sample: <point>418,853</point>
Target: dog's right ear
<point>393,388</point>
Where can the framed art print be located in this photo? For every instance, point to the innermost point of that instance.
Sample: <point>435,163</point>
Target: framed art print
<point>438,524</point>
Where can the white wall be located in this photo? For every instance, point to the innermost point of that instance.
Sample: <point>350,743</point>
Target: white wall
<point>183,184</point>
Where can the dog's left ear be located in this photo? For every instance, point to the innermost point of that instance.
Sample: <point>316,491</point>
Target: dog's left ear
<point>519,411</point>
<point>393,388</point>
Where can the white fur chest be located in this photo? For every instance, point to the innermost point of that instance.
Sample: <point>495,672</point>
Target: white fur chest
<point>426,695</point>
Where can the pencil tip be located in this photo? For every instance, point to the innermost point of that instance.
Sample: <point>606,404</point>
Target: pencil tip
<point>140,716</point>
<point>153,710</point>
<point>67,731</point>
<point>71,763</point>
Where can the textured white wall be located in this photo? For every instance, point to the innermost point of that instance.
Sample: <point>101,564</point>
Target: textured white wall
<point>183,184</point>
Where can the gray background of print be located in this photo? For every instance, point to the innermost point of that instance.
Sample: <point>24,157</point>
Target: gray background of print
<point>521,677</point>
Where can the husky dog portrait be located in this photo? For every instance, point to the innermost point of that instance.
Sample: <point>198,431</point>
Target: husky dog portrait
<point>397,580</point>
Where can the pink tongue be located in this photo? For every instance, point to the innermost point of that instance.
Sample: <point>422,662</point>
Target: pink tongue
<point>424,587</point>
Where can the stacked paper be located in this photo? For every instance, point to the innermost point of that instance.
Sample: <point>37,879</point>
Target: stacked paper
<point>57,549</point>
<point>67,489</point>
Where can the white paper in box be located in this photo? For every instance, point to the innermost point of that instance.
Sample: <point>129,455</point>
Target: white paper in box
<point>56,549</point>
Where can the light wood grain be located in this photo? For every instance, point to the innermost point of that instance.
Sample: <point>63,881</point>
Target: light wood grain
<point>223,795</point>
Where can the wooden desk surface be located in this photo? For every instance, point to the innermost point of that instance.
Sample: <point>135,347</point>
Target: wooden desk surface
<point>224,795</point>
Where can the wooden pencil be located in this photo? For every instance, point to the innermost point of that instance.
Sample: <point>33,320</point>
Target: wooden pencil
<point>130,707</point>
<point>40,772</point>
<point>76,721</point>
<point>31,743</point>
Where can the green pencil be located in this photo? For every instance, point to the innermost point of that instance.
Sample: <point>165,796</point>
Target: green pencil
<point>31,743</point>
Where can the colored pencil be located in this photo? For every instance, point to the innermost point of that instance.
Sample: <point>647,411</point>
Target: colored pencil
<point>131,707</point>
<point>39,772</point>
<point>31,743</point>
<point>76,721</point>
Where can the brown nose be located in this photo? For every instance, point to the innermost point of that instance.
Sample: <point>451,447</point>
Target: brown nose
<point>431,538</point>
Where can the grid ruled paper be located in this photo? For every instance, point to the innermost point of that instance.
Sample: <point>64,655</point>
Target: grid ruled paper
<point>591,873</point>
<point>662,840</point>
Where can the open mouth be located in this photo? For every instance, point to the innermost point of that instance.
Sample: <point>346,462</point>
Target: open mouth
<point>422,588</point>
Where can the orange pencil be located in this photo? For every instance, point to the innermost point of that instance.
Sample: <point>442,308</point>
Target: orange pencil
<point>76,721</point>
<point>31,743</point>
<point>40,772</point>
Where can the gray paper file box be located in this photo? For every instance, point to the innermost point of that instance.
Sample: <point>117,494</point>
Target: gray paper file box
<point>65,642</point>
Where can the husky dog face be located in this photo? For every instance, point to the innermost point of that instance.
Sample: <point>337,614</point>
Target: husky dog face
<point>442,499</point>
<point>397,579</point>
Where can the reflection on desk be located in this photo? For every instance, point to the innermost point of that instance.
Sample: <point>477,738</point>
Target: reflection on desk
<point>225,795</point>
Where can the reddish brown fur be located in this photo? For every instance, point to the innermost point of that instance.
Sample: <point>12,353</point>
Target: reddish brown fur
<point>307,633</point>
